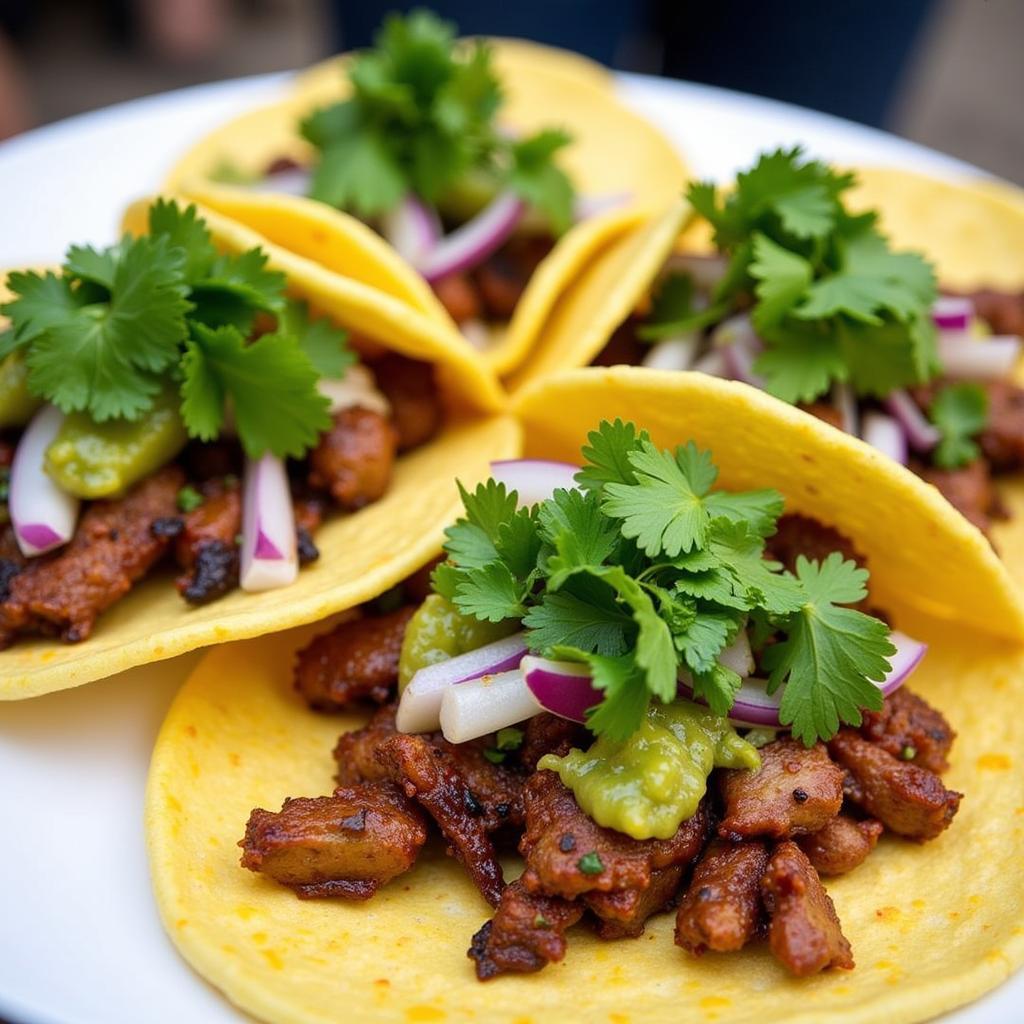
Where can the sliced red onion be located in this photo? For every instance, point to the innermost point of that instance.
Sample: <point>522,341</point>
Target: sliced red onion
<point>845,402</point>
<point>738,655</point>
<point>585,207</point>
<point>477,333</point>
<point>268,526</point>
<point>413,229</point>
<point>962,355</point>
<point>475,240</point>
<point>712,363</point>
<point>735,330</point>
<point>676,353</point>
<point>922,436</point>
<point>43,515</point>
<point>534,480</point>
<point>357,388</point>
<point>739,364</point>
<point>706,271</point>
<point>953,313</point>
<point>485,705</point>
<point>885,433</point>
<point>295,181</point>
<point>419,709</point>
<point>562,687</point>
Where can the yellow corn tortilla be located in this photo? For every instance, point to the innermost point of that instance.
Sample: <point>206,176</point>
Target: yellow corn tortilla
<point>361,554</point>
<point>932,926</point>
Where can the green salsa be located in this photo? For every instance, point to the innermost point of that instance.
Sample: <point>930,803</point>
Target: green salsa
<point>648,784</point>
<point>96,460</point>
<point>439,631</point>
<point>17,403</point>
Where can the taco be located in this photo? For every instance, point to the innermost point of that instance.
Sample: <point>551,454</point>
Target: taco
<point>614,634</point>
<point>804,294</point>
<point>495,185</point>
<point>192,395</point>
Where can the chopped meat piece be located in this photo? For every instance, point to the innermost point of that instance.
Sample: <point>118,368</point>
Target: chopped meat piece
<point>428,777</point>
<point>7,449</point>
<point>804,931</point>
<point>796,790</point>
<point>353,460</point>
<point>348,844</point>
<point>502,278</point>
<point>549,734</point>
<point>969,490</point>
<point>623,347</point>
<point>909,800</point>
<point>309,513</point>
<point>206,548</point>
<point>1002,440</point>
<point>722,906</point>
<point>411,390</point>
<point>799,535</point>
<point>842,845</point>
<point>568,854</point>
<point>354,753</point>
<point>826,412</point>
<point>458,296</point>
<point>357,660</point>
<point>112,548</point>
<point>526,933</point>
<point>210,460</point>
<point>623,914</point>
<point>1002,311</point>
<point>911,729</point>
<point>12,561</point>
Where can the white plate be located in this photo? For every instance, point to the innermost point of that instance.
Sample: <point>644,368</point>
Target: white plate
<point>80,942</point>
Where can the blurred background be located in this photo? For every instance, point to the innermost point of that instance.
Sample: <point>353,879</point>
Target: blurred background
<point>947,73</point>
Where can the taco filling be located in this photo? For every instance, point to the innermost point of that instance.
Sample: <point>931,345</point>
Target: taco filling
<point>662,694</point>
<point>163,402</point>
<point>418,152</point>
<point>809,302</point>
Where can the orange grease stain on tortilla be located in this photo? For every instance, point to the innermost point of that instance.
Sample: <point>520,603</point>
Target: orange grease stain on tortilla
<point>918,904</point>
<point>174,805</point>
<point>417,1013</point>
<point>234,759</point>
<point>273,959</point>
<point>181,922</point>
<point>994,763</point>
<point>888,914</point>
<point>190,731</point>
<point>259,937</point>
<point>715,1002</point>
<point>618,1018</point>
<point>245,912</point>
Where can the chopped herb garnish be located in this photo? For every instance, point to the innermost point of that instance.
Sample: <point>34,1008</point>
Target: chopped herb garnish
<point>908,753</point>
<point>590,863</point>
<point>105,335</point>
<point>540,921</point>
<point>494,755</point>
<point>648,571</point>
<point>189,499</point>
<point>420,118</point>
<point>509,738</point>
<point>960,411</point>
<point>825,292</point>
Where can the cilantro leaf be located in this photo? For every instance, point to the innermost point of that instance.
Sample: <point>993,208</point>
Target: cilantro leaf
<point>518,543</point>
<point>830,654</point>
<point>325,344</point>
<point>584,614</point>
<point>801,363</point>
<point>625,695</point>
<point>782,279</point>
<point>491,593</point>
<point>571,522</point>
<point>471,540</point>
<point>606,455</point>
<point>235,289</point>
<point>539,180</point>
<point>705,637</point>
<point>718,687</point>
<point>674,310</point>
<point>184,229</point>
<point>960,411</point>
<point>286,419</point>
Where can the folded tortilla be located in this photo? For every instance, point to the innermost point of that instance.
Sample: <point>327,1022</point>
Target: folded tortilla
<point>361,553</point>
<point>614,153</point>
<point>932,927</point>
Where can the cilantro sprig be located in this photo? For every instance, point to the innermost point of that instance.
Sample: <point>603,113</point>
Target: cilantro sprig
<point>960,411</point>
<point>647,571</point>
<point>825,292</point>
<point>422,116</point>
<point>106,333</point>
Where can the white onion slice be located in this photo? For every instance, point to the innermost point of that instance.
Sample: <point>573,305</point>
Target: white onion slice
<point>845,403</point>
<point>962,355</point>
<point>357,388</point>
<point>474,241</point>
<point>295,181</point>
<point>953,313</point>
<point>737,329</point>
<point>738,655</point>
<point>412,228</point>
<point>43,515</point>
<point>419,708</point>
<point>922,436</point>
<point>534,480</point>
<point>485,705</point>
<point>706,271</point>
<point>269,558</point>
<point>712,363</point>
<point>676,353</point>
<point>585,207</point>
<point>885,433</point>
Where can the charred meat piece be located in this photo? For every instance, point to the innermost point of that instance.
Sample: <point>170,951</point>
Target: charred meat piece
<point>568,854</point>
<point>12,561</point>
<point>795,791</point>
<point>355,754</point>
<point>212,460</point>
<point>458,295</point>
<point>842,845</point>
<point>1002,440</point>
<point>348,844</point>
<point>411,390</point>
<point>969,490</point>
<point>722,906</point>
<point>623,914</point>
<point>909,800</point>
<point>804,931</point>
<point>826,412</point>
<point>428,777</point>
<point>526,933</point>
<point>309,514</point>
<point>206,547</point>
<point>502,278</point>
<point>113,547</point>
<point>357,660</point>
<point>549,734</point>
<point>353,460</point>
<point>1002,311</point>
<point>911,729</point>
<point>798,535</point>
